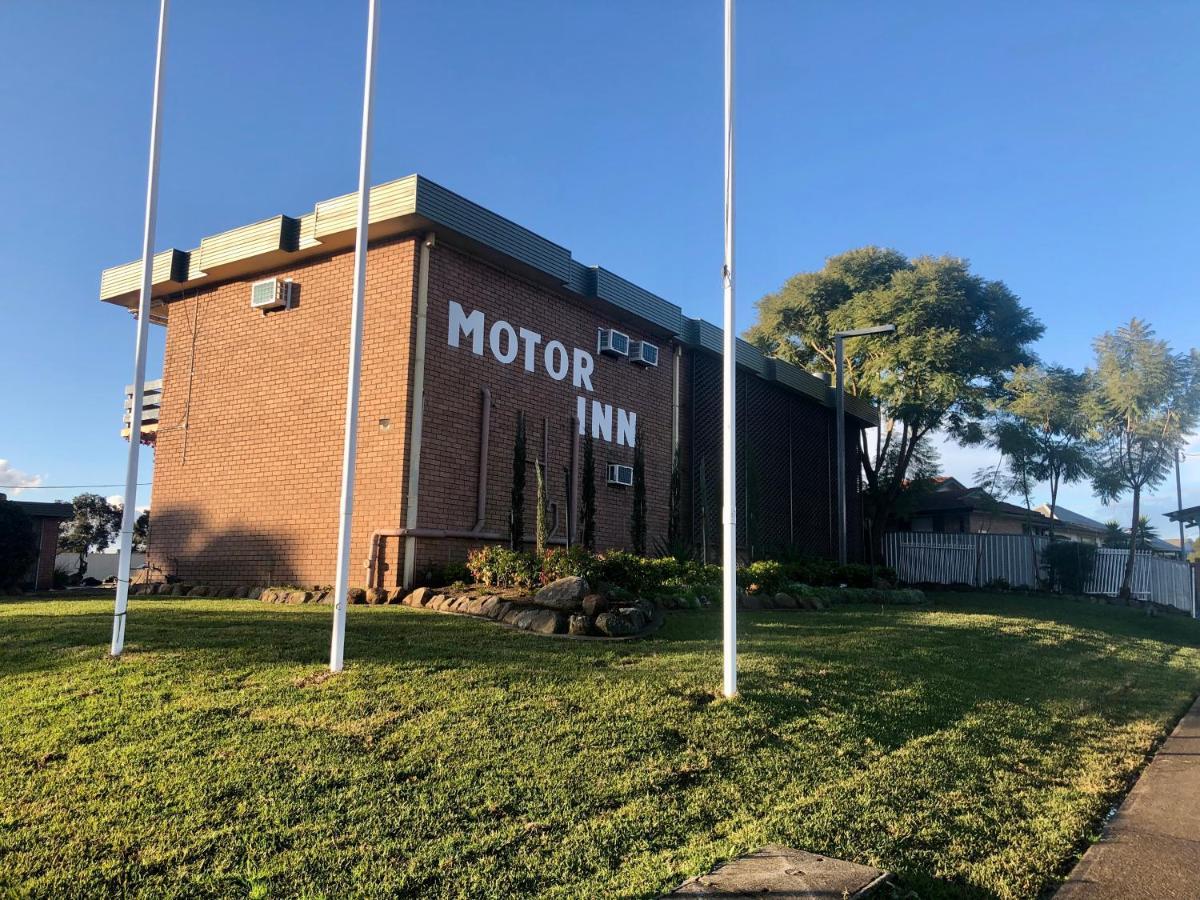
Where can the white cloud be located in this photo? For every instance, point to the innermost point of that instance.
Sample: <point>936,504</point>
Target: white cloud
<point>14,481</point>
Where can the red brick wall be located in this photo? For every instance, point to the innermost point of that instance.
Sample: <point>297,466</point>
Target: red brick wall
<point>454,378</point>
<point>47,534</point>
<point>248,455</point>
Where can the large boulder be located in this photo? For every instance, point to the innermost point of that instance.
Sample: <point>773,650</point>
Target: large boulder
<point>635,616</point>
<point>612,624</point>
<point>541,621</point>
<point>564,594</point>
<point>750,602</point>
<point>594,604</point>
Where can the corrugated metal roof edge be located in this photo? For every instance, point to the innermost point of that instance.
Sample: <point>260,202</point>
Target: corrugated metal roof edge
<point>444,207</point>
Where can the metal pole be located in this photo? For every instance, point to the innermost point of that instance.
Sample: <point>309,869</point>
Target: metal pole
<point>729,471</point>
<point>1179,506</point>
<point>840,392</point>
<point>129,512</point>
<point>341,583</point>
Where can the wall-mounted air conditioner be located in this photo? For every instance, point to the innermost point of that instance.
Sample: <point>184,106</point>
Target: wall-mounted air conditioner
<point>643,353</point>
<point>620,475</point>
<point>612,343</point>
<point>271,293</point>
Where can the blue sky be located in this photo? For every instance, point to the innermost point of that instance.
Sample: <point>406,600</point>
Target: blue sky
<point>1054,145</point>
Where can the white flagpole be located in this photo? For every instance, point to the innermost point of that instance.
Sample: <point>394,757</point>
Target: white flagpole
<point>129,512</point>
<point>729,456</point>
<point>341,582</point>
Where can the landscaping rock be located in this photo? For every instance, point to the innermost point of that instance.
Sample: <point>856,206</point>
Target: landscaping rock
<point>239,591</point>
<point>579,625</point>
<point>419,597</point>
<point>322,596</point>
<point>750,603</point>
<point>501,610</point>
<point>564,594</point>
<point>547,621</point>
<point>634,615</point>
<point>296,598</point>
<point>198,591</point>
<point>356,595</point>
<point>785,601</point>
<point>375,596</point>
<point>594,604</point>
<point>396,595</point>
<point>510,615</point>
<point>488,606</point>
<point>614,625</point>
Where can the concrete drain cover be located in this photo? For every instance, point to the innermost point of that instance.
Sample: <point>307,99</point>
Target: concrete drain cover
<point>778,871</point>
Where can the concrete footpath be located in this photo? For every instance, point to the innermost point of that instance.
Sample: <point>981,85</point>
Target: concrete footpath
<point>1151,847</point>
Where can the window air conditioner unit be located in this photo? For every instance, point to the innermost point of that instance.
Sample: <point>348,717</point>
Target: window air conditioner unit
<point>612,343</point>
<point>643,353</point>
<point>271,293</point>
<point>620,475</point>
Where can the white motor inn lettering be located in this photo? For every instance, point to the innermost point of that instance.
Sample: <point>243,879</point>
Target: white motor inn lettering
<point>508,345</point>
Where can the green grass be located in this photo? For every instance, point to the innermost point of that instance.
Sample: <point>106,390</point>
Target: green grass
<point>971,749</point>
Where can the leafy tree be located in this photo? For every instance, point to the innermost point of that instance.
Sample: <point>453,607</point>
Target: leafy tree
<point>141,532</point>
<point>637,519</point>
<point>95,525</point>
<point>587,500</point>
<point>516,514</point>
<point>958,338</point>
<point>541,532</point>
<point>1143,401</point>
<point>1043,418</point>
<point>18,544</point>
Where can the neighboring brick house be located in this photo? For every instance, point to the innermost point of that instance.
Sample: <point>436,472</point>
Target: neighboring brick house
<point>953,508</point>
<point>469,320</point>
<point>46,518</point>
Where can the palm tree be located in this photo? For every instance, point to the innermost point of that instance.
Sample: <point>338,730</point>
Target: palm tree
<point>1115,536</point>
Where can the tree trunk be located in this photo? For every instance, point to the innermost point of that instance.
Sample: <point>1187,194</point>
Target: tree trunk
<point>1127,580</point>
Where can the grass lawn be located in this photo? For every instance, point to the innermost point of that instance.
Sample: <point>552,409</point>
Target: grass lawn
<point>969,748</point>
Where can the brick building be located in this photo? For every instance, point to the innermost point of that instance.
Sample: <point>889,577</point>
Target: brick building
<point>45,519</point>
<point>469,321</point>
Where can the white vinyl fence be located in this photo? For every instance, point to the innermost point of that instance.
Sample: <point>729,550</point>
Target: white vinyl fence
<point>1165,581</point>
<point>921,557</point>
<point>927,557</point>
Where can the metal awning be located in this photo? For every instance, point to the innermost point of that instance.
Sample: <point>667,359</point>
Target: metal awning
<point>1188,516</point>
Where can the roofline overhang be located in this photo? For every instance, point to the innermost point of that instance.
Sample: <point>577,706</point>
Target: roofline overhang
<point>412,205</point>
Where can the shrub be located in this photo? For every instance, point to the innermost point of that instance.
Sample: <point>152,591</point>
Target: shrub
<point>624,569</point>
<point>770,575</point>
<point>763,576</point>
<point>1069,565</point>
<point>498,566</point>
<point>561,562</point>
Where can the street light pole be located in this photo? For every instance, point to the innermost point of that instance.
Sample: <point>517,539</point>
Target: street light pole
<point>1179,505</point>
<point>839,346</point>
